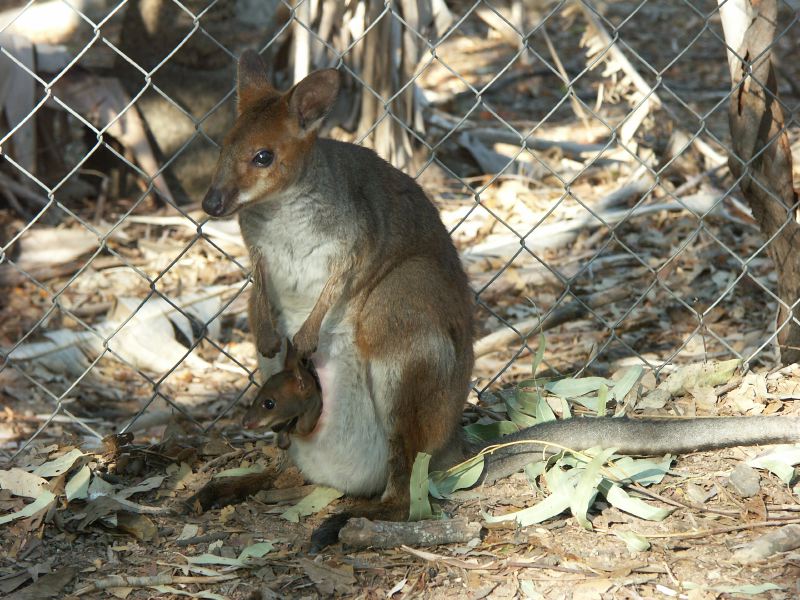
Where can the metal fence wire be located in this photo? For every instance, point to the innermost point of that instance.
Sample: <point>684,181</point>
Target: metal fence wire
<point>577,151</point>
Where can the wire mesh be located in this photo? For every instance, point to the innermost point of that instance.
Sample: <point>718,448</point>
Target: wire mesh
<point>578,152</point>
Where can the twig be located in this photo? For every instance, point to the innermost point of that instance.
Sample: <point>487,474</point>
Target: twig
<point>221,459</point>
<point>363,533</point>
<point>717,530</point>
<point>616,57</point>
<point>551,236</point>
<point>576,106</point>
<point>141,509</point>
<point>491,565</point>
<point>682,504</point>
<point>149,581</point>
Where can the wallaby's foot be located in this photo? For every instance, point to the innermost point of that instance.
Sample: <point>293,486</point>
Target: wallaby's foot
<point>268,342</point>
<point>306,341</point>
<point>327,534</point>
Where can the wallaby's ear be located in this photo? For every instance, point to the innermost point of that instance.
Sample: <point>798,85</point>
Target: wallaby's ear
<point>251,79</point>
<point>312,99</point>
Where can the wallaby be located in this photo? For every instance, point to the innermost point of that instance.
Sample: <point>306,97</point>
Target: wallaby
<point>289,402</point>
<point>360,271</point>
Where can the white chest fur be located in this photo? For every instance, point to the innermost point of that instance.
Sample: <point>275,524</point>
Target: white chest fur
<point>347,450</point>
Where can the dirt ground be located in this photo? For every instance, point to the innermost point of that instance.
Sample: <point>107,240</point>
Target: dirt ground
<point>691,553</point>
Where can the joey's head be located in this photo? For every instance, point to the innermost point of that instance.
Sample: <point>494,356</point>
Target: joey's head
<point>268,147</point>
<point>289,400</point>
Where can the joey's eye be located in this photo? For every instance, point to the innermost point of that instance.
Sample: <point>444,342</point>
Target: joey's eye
<point>263,158</point>
<point>269,403</point>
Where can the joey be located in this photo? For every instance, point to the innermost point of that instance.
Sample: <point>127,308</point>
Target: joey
<point>288,403</point>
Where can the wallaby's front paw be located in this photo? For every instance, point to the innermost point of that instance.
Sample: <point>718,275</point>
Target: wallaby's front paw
<point>268,343</point>
<point>305,342</point>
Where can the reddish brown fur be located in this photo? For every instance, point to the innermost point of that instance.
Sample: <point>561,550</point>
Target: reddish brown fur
<point>295,397</point>
<point>263,119</point>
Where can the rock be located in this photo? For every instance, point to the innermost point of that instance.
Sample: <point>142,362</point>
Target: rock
<point>745,480</point>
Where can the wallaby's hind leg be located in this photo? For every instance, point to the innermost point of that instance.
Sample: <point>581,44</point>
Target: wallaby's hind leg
<point>413,431</point>
<point>418,377</point>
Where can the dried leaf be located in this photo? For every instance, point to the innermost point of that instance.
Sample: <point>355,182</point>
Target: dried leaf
<point>624,384</point>
<point>243,560</point>
<point>634,541</point>
<point>77,487</point>
<point>586,490</point>
<point>22,483</point>
<point>490,431</point>
<point>572,388</point>
<point>640,470</point>
<point>329,579</point>
<point>780,461</point>
<point>139,526</point>
<point>43,502</point>
<point>318,499</point>
<point>60,465</point>
<point>47,586</point>
<point>620,499</point>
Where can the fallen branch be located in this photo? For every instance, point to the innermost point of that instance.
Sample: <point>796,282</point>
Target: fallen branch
<point>363,533</point>
<point>562,233</point>
<point>573,150</point>
<point>523,329</point>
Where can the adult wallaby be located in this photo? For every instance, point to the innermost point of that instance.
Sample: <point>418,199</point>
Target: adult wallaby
<point>353,263</point>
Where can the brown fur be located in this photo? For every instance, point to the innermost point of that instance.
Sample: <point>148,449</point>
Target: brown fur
<point>260,313</point>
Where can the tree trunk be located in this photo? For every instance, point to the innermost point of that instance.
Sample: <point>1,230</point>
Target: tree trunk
<point>761,159</point>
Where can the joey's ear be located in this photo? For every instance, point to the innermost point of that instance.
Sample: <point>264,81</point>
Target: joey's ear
<point>251,79</point>
<point>291,362</point>
<point>312,99</point>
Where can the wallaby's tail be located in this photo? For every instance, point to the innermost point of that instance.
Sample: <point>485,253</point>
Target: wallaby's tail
<point>638,436</point>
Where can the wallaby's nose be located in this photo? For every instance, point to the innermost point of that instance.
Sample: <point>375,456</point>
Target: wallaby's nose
<point>213,203</point>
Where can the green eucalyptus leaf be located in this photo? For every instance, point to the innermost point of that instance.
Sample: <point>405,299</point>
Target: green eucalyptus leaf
<point>420,504</point>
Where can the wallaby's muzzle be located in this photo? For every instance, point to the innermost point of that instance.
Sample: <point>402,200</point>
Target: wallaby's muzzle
<point>217,203</point>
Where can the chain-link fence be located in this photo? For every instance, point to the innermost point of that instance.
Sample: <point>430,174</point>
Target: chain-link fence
<point>578,152</point>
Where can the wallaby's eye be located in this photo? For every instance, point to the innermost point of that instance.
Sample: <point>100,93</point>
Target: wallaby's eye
<point>263,158</point>
<point>269,403</point>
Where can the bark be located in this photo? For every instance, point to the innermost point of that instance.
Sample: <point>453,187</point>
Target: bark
<point>761,158</point>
